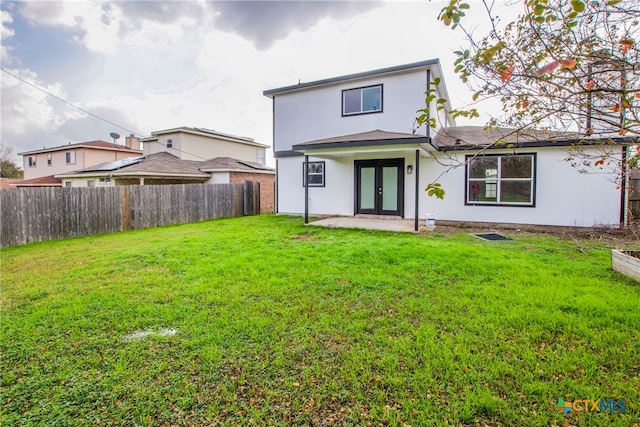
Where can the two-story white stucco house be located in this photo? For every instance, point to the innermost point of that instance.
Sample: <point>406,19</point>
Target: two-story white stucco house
<point>366,157</point>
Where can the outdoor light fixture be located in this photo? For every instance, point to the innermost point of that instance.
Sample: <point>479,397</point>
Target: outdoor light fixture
<point>409,169</point>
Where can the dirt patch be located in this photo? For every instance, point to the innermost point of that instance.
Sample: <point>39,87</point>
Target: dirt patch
<point>304,237</point>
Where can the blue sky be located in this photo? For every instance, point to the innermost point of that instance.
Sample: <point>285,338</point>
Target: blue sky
<point>151,65</point>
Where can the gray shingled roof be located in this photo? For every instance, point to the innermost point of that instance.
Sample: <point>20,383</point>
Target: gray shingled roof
<point>374,137</point>
<point>166,164</point>
<point>228,163</point>
<point>477,137</point>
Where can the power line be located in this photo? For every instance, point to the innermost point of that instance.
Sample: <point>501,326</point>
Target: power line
<point>90,113</point>
<point>69,103</point>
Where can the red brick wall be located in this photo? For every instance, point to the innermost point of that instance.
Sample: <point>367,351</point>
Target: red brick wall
<point>267,187</point>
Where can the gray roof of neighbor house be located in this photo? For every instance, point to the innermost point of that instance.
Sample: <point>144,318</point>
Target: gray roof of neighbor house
<point>388,70</point>
<point>230,164</point>
<point>374,137</point>
<point>99,145</point>
<point>167,164</point>
<point>211,133</point>
<point>478,137</point>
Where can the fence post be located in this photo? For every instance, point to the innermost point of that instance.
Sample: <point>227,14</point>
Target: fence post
<point>248,198</point>
<point>126,210</point>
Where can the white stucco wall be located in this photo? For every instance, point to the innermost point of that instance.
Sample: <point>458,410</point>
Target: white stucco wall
<point>317,113</point>
<point>563,196</point>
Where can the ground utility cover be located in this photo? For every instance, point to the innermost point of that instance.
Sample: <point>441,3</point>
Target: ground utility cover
<point>492,237</point>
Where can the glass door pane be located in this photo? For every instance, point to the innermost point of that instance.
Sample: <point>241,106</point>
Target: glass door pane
<point>367,188</point>
<point>390,188</point>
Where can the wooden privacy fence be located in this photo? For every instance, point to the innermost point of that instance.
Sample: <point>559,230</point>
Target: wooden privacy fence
<point>51,213</point>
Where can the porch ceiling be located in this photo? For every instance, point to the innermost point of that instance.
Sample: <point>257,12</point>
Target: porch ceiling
<point>387,150</point>
<point>376,141</point>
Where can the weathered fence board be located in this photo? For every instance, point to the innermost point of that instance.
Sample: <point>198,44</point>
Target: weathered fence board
<point>50,213</point>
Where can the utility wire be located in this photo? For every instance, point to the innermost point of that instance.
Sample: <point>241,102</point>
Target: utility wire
<point>90,113</point>
<point>68,103</point>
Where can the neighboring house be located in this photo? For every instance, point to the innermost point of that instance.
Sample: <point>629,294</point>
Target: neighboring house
<point>164,168</point>
<point>366,158</point>
<point>189,143</point>
<point>66,158</point>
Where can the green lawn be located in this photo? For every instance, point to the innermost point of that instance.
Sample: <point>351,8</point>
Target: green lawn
<point>261,320</point>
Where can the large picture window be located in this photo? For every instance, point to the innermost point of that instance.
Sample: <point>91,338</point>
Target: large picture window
<point>501,180</point>
<point>316,174</point>
<point>362,100</point>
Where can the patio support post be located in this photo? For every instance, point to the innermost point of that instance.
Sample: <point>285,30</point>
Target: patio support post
<point>417,168</point>
<point>306,189</point>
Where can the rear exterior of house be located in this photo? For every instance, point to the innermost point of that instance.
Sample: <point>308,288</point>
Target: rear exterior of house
<point>366,157</point>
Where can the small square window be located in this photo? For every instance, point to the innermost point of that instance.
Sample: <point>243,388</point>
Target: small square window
<point>91,183</point>
<point>362,100</point>
<point>67,184</point>
<point>31,161</point>
<point>315,174</point>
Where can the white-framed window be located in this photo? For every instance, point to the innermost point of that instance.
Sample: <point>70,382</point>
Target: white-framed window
<point>91,183</point>
<point>105,180</point>
<point>261,156</point>
<point>31,161</point>
<point>70,157</point>
<point>316,174</point>
<point>169,143</point>
<point>67,184</point>
<point>49,160</point>
<point>362,100</point>
<point>501,180</point>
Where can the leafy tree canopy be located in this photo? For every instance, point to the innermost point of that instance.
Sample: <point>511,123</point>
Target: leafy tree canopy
<point>561,65</point>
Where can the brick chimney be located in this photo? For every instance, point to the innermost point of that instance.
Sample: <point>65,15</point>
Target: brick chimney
<point>132,142</point>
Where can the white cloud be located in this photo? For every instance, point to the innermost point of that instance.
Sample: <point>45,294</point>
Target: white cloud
<point>5,34</point>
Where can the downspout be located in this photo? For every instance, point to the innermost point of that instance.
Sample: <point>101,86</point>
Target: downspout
<point>273,139</point>
<point>428,106</point>
<point>415,225</point>
<point>306,189</point>
<point>623,192</point>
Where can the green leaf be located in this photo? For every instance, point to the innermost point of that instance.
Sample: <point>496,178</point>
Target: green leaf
<point>577,5</point>
<point>434,189</point>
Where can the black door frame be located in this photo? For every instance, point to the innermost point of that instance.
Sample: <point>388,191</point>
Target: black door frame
<point>379,164</point>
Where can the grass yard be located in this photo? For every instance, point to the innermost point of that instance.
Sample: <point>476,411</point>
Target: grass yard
<point>263,321</point>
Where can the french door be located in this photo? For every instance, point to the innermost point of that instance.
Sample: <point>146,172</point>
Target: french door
<point>379,187</point>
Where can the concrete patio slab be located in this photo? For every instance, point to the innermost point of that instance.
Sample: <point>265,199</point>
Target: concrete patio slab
<point>396,225</point>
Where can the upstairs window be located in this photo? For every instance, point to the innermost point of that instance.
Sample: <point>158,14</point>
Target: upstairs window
<point>70,157</point>
<point>49,160</point>
<point>32,161</point>
<point>362,100</point>
<point>501,180</point>
<point>260,156</point>
<point>169,143</point>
